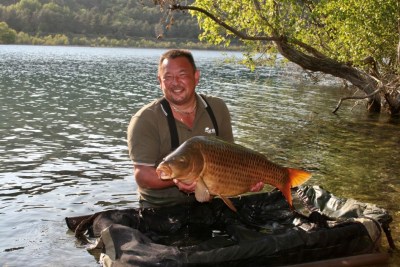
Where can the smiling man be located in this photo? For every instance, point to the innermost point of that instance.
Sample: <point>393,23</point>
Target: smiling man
<point>162,125</point>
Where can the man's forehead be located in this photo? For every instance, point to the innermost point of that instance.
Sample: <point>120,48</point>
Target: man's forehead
<point>177,63</point>
<point>175,59</point>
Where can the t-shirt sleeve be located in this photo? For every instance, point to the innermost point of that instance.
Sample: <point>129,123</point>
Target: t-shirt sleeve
<point>143,139</point>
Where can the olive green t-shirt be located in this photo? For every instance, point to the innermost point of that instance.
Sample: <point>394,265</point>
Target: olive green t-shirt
<point>149,141</point>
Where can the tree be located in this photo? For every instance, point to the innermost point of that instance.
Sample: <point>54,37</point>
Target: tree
<point>357,41</point>
<point>7,35</point>
<point>26,13</point>
<point>54,18</point>
<point>113,19</point>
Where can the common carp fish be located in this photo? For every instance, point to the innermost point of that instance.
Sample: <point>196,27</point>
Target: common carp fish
<point>226,169</point>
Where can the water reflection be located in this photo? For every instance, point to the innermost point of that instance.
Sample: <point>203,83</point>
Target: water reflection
<point>63,118</point>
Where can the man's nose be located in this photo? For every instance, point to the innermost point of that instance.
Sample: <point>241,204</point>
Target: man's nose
<point>175,80</point>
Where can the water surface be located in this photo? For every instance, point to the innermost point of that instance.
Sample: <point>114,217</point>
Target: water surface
<point>63,118</point>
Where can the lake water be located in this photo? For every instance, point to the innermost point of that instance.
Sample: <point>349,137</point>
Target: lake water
<point>63,118</point>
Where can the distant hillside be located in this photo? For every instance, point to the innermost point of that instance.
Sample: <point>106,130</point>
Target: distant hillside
<point>117,19</point>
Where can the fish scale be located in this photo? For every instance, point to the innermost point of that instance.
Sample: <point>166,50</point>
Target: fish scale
<point>226,169</point>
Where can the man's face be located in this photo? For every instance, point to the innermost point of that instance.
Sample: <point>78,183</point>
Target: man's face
<point>178,80</point>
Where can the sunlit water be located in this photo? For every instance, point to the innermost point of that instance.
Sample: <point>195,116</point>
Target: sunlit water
<point>63,118</point>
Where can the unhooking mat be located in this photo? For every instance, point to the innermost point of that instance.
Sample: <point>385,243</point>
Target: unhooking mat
<point>264,231</point>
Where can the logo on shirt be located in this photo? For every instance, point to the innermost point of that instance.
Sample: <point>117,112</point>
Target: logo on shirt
<point>209,130</point>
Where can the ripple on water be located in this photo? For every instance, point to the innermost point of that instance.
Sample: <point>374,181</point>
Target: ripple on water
<point>64,114</point>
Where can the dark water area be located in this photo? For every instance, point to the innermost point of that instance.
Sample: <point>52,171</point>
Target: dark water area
<point>63,118</point>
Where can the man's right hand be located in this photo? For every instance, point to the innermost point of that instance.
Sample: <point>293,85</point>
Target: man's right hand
<point>187,188</point>
<point>146,177</point>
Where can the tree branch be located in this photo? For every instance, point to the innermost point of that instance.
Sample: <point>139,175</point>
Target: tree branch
<point>305,56</point>
<point>355,97</point>
<point>257,7</point>
<point>226,26</point>
<point>308,48</point>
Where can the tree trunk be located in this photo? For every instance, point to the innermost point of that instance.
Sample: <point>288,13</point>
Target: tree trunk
<point>358,78</point>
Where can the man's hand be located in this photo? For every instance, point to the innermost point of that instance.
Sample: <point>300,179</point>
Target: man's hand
<point>257,187</point>
<point>187,188</point>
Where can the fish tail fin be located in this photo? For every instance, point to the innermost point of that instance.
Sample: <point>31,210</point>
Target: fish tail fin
<point>298,177</point>
<point>287,193</point>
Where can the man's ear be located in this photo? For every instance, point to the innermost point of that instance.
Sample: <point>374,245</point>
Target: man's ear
<point>197,77</point>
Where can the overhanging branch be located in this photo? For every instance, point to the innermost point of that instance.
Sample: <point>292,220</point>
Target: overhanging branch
<point>354,97</point>
<point>305,56</point>
<point>244,36</point>
<point>226,26</point>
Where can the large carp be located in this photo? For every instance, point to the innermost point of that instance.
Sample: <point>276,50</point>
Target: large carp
<point>225,169</point>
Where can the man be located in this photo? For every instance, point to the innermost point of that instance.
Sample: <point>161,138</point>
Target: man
<point>180,114</point>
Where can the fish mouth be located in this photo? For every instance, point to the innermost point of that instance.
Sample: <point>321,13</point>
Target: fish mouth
<point>164,172</point>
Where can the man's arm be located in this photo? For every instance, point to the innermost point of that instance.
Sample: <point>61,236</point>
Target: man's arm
<point>146,177</point>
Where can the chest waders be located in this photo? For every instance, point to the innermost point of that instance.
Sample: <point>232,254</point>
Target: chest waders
<point>172,125</point>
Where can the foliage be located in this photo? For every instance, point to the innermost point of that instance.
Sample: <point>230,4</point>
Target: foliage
<point>344,30</point>
<point>349,39</point>
<point>7,35</point>
<point>117,19</point>
<point>355,30</point>
<point>61,39</point>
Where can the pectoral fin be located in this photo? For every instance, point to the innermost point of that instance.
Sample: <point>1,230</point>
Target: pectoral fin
<point>201,191</point>
<point>229,203</point>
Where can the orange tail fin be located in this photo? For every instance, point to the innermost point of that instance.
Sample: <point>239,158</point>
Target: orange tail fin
<point>298,177</point>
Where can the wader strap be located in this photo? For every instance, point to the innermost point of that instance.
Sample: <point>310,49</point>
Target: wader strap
<point>172,125</point>
<point>211,114</point>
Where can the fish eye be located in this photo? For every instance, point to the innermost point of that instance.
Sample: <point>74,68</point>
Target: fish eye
<point>181,159</point>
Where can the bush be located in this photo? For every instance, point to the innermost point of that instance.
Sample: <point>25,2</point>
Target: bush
<point>23,38</point>
<point>7,35</point>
